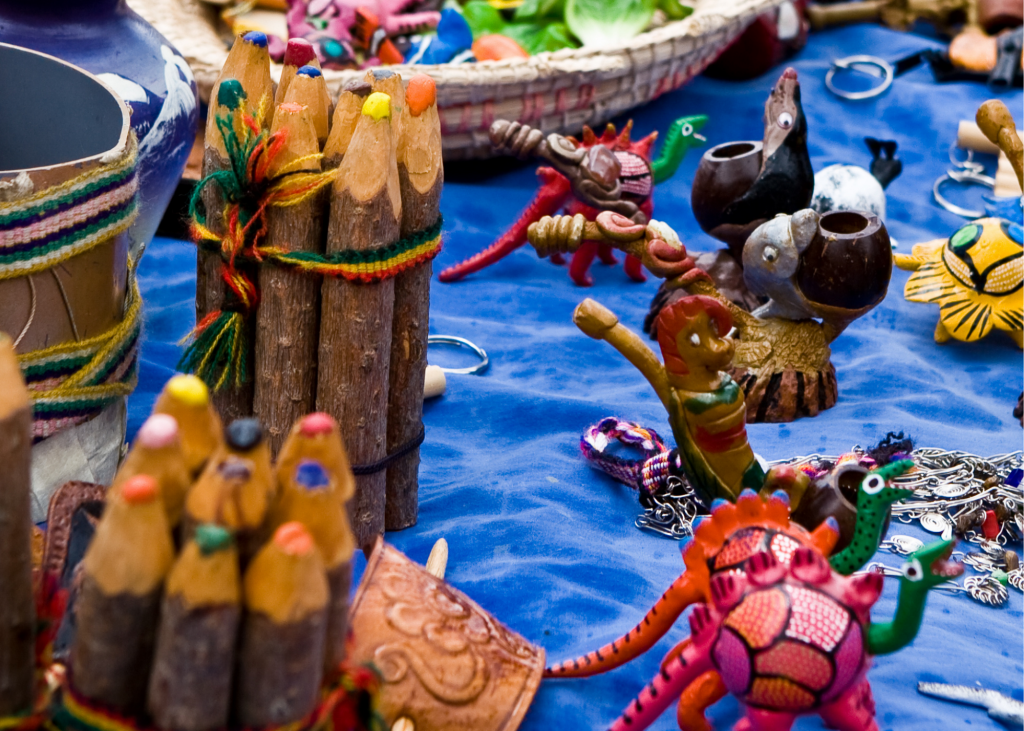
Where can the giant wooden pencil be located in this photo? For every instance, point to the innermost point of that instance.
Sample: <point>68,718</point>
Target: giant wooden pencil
<point>157,452</point>
<point>421,176</point>
<point>308,496</point>
<point>309,89</point>
<point>287,322</point>
<point>119,601</point>
<point>236,489</point>
<point>249,63</point>
<point>281,649</point>
<point>346,117</point>
<point>355,322</point>
<point>17,616</point>
<point>187,399</point>
<point>190,686</point>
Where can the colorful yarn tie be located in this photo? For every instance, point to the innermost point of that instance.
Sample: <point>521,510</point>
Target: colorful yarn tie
<point>219,348</point>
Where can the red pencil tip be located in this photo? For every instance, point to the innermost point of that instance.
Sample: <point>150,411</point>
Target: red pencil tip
<point>299,52</point>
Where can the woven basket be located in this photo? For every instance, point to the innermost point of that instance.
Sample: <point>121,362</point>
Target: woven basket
<point>557,92</point>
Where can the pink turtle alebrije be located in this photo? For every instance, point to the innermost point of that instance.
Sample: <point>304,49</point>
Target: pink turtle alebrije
<point>794,640</point>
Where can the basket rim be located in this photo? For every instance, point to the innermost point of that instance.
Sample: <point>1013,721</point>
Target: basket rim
<point>710,16</point>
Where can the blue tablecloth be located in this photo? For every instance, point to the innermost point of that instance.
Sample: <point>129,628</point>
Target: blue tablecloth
<point>546,543</point>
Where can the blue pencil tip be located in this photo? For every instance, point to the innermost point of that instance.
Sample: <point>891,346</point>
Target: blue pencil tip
<point>311,71</point>
<point>256,38</point>
<point>311,475</point>
<point>718,502</point>
<point>748,493</point>
<point>832,523</point>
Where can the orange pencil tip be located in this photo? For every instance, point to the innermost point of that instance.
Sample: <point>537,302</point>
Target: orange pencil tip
<point>294,539</point>
<point>139,489</point>
<point>420,94</point>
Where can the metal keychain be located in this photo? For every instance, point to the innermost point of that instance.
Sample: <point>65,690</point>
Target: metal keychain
<point>670,512</point>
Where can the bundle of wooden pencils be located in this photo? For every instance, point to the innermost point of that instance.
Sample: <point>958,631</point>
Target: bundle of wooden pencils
<point>334,278</point>
<point>214,593</point>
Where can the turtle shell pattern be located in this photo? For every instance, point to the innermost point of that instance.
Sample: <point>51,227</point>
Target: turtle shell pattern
<point>789,647</point>
<point>746,542</point>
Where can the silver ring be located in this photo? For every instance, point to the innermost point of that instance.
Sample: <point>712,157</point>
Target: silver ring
<point>964,177</point>
<point>480,367</point>
<point>870,65</point>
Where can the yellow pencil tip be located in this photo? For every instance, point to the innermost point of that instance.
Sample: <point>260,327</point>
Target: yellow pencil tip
<point>189,390</point>
<point>378,106</point>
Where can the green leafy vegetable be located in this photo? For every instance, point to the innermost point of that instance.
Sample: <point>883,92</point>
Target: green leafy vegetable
<point>537,10</point>
<point>537,37</point>
<point>603,22</point>
<point>483,18</point>
<point>674,9</point>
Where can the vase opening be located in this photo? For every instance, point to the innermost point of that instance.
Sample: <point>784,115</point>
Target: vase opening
<point>843,222</point>
<point>62,114</point>
<point>734,150</point>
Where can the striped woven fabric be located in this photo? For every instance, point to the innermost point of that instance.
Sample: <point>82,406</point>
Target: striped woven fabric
<point>43,229</point>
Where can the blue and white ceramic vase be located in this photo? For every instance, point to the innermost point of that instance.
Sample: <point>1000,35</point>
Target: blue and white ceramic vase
<point>110,40</point>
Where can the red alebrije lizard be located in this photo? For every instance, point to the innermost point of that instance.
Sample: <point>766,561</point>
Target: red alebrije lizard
<point>587,176</point>
<point>724,542</point>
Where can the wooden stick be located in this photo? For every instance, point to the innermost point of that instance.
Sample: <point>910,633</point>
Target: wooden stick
<point>355,322</point>
<point>119,600</point>
<point>157,452</point>
<point>421,176</point>
<point>308,495</point>
<point>287,321</point>
<point>281,650</point>
<point>249,63</point>
<point>187,399</point>
<point>190,686</point>
<point>17,610</point>
<point>346,116</point>
<point>309,89</point>
<point>997,124</point>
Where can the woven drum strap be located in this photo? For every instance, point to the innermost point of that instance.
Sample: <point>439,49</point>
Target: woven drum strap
<point>72,382</point>
<point>54,224</point>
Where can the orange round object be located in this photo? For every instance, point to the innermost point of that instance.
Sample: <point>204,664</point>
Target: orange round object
<point>139,489</point>
<point>496,48</point>
<point>293,538</point>
<point>420,94</point>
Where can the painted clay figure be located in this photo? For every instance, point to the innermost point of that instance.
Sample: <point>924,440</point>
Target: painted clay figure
<point>740,185</point>
<point>817,274</point>
<point>975,277</point>
<point>587,176</point>
<point>796,639</point>
<point>706,408</point>
<point>724,542</point>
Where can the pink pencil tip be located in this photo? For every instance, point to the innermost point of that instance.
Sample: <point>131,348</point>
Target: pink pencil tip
<point>159,430</point>
<point>299,52</point>
<point>789,73</point>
